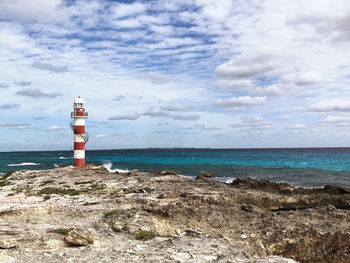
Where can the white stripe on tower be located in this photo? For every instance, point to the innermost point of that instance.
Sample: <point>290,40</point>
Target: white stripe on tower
<point>79,154</point>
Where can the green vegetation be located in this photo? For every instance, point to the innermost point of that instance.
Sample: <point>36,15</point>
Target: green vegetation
<point>110,212</point>
<point>97,186</point>
<point>29,192</point>
<point>86,182</point>
<point>145,235</point>
<point>46,197</point>
<point>5,176</point>
<point>128,192</point>
<point>4,183</point>
<point>62,182</point>
<point>11,194</point>
<point>62,231</point>
<point>59,191</point>
<point>147,189</point>
<point>46,182</point>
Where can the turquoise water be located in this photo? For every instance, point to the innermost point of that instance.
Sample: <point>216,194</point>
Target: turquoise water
<point>301,167</point>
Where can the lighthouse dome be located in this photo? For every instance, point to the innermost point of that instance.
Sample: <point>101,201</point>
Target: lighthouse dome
<point>79,100</point>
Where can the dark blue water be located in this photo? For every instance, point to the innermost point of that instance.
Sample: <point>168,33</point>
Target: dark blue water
<point>301,167</point>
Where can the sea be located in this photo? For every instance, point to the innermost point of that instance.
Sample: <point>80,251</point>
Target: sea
<point>301,167</point>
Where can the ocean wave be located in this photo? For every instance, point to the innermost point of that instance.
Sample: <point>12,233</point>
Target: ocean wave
<point>108,166</point>
<point>65,157</point>
<point>22,164</point>
<point>56,165</point>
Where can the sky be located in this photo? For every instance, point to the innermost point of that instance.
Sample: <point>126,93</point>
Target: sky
<point>194,73</point>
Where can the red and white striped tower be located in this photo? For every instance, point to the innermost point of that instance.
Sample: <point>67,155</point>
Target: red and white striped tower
<point>80,137</point>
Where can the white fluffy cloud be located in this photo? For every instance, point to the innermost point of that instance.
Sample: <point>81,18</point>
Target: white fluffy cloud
<point>183,61</point>
<point>239,103</point>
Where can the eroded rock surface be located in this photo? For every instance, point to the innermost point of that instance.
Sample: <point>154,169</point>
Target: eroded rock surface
<point>193,220</point>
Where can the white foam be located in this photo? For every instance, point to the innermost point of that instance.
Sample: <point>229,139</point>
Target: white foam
<point>56,165</point>
<point>65,157</point>
<point>108,166</point>
<point>23,164</point>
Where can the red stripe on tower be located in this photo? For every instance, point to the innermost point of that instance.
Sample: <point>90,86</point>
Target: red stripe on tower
<point>80,137</point>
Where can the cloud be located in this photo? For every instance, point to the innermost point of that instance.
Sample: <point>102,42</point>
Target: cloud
<point>119,98</point>
<point>49,67</point>
<point>161,132</point>
<point>156,78</point>
<point>325,107</point>
<point>23,83</point>
<point>156,112</point>
<point>175,107</point>
<point>3,86</point>
<point>56,128</point>
<point>252,124</point>
<point>234,84</point>
<point>38,94</point>
<point>297,126</point>
<point>123,10</point>
<point>304,78</point>
<point>239,103</point>
<point>101,136</point>
<point>10,106</point>
<point>130,117</point>
<point>37,10</point>
<point>247,66</point>
<point>14,125</point>
<point>194,117</point>
<point>335,119</point>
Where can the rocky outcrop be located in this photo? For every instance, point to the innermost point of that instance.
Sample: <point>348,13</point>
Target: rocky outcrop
<point>7,242</point>
<point>205,176</point>
<point>75,215</point>
<point>80,237</point>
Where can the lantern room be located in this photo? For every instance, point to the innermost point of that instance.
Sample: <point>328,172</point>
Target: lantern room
<point>79,108</point>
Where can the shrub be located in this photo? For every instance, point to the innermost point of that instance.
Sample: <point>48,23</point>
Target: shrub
<point>5,176</point>
<point>51,190</point>
<point>46,197</point>
<point>46,182</point>
<point>4,183</point>
<point>62,231</point>
<point>110,212</point>
<point>128,192</point>
<point>86,182</point>
<point>145,235</point>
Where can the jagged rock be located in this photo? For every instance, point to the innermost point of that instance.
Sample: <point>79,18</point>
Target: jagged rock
<point>203,221</point>
<point>80,237</point>
<point>7,242</point>
<point>274,259</point>
<point>205,176</point>
<point>168,172</point>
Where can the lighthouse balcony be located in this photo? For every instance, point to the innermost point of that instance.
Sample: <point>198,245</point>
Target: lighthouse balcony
<point>79,115</point>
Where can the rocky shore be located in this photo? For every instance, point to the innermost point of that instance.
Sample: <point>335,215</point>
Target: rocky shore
<point>92,215</point>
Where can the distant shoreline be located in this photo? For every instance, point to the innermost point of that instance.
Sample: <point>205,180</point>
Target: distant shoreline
<point>192,148</point>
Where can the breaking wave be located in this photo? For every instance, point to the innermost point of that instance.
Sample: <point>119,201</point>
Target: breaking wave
<point>108,166</point>
<point>23,164</point>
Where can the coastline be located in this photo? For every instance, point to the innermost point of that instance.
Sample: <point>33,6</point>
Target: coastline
<point>193,220</point>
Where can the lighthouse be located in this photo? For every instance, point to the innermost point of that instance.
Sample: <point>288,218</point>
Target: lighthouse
<point>80,136</point>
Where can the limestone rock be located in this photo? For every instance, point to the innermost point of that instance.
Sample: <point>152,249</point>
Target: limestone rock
<point>80,237</point>
<point>168,172</point>
<point>274,259</point>
<point>7,242</point>
<point>205,176</point>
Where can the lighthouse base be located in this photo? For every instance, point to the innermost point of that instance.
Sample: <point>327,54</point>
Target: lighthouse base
<point>79,163</point>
